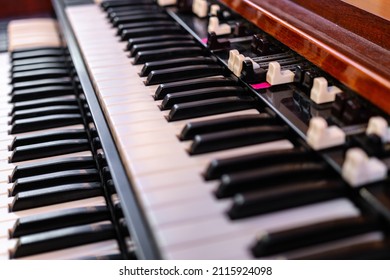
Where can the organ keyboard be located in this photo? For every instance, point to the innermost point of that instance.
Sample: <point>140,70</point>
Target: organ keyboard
<point>178,131</point>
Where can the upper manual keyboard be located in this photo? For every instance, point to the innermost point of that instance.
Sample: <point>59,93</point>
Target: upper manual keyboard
<point>212,166</point>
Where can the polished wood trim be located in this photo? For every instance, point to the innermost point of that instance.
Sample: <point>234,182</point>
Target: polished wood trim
<point>363,23</point>
<point>380,8</point>
<point>355,61</point>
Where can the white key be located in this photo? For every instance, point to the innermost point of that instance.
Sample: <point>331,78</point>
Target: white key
<point>31,33</point>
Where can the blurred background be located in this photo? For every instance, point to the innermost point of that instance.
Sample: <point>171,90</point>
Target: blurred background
<point>23,8</point>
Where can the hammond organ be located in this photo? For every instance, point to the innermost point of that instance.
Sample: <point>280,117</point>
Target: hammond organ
<point>195,130</point>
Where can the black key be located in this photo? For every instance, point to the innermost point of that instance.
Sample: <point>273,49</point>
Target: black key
<point>40,60</point>
<point>124,229</point>
<point>41,92</point>
<point>338,106</point>
<point>48,136</point>
<point>52,148</point>
<point>284,196</point>
<point>182,73</point>
<point>308,79</point>
<point>150,31</point>
<point>50,166</point>
<point>156,39</point>
<point>54,195</point>
<point>370,250</point>
<point>68,100</point>
<point>113,11</point>
<point>139,18</point>
<point>62,238</point>
<point>136,26</point>
<point>45,111</point>
<point>37,54</point>
<point>218,167</point>
<point>155,55</point>
<point>38,74</point>
<point>200,94</point>
<point>33,124</point>
<point>300,73</point>
<point>64,81</point>
<point>35,49</point>
<point>48,149</point>
<point>201,127</point>
<point>211,107</point>
<point>60,219</point>
<point>124,3</point>
<point>269,176</point>
<point>178,62</point>
<point>283,62</point>
<point>238,137</point>
<point>54,179</point>
<point>296,238</point>
<point>132,11</point>
<point>355,112</point>
<point>106,257</point>
<point>193,84</point>
<point>161,45</point>
<point>35,67</point>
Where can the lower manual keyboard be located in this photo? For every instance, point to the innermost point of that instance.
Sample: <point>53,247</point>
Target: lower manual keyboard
<point>53,199</point>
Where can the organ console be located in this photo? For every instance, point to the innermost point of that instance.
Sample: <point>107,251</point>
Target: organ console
<point>203,129</point>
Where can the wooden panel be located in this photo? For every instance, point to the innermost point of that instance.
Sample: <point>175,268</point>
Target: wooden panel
<point>17,8</point>
<point>380,8</point>
<point>352,59</point>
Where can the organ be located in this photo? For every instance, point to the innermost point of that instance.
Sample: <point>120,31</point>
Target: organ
<point>195,130</point>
